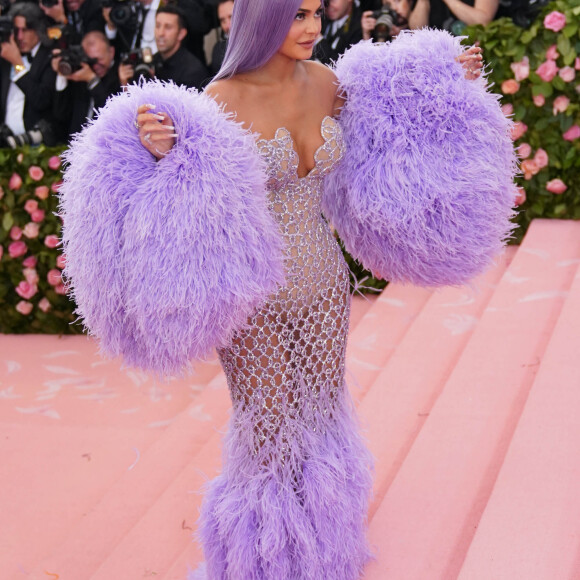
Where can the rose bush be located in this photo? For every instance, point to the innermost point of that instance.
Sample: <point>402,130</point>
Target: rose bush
<point>542,61</point>
<point>29,251</point>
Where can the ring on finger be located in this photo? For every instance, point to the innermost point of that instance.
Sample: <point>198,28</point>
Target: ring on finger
<point>136,123</point>
<point>148,138</point>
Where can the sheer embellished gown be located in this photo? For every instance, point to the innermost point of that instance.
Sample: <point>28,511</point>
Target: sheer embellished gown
<point>291,501</point>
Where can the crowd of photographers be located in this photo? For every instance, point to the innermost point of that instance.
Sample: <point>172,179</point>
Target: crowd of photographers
<point>61,59</point>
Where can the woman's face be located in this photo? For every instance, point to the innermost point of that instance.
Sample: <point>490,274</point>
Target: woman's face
<point>304,31</point>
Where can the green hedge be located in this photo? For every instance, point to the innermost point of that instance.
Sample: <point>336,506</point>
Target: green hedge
<point>537,72</point>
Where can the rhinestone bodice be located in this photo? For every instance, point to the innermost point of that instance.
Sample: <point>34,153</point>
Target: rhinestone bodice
<point>290,357</point>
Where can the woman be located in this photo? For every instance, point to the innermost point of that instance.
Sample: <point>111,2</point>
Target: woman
<point>291,501</point>
<point>444,14</point>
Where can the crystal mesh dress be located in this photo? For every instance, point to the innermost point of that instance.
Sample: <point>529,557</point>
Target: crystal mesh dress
<point>291,501</point>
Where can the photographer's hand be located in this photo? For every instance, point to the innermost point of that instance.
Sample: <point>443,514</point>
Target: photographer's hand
<point>10,52</point>
<point>84,75</point>
<point>55,12</point>
<point>368,24</point>
<point>156,131</point>
<point>126,73</point>
<point>107,17</point>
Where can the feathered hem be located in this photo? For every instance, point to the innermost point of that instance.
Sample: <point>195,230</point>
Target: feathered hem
<point>297,515</point>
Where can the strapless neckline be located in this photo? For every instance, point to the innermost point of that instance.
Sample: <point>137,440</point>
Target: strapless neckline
<point>283,138</point>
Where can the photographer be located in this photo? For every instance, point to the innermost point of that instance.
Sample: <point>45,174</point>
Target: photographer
<point>81,15</point>
<point>386,21</point>
<point>342,30</point>
<point>85,90</point>
<point>130,24</point>
<point>173,61</point>
<point>452,15</point>
<point>26,77</point>
<point>225,10</point>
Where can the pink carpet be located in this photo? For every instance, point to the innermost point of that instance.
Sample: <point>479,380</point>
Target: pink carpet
<point>470,399</point>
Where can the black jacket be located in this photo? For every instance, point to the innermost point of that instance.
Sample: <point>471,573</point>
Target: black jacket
<point>183,68</point>
<point>38,86</point>
<point>328,50</point>
<point>72,105</point>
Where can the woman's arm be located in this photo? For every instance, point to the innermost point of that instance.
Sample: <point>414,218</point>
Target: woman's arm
<point>420,15</point>
<point>481,13</point>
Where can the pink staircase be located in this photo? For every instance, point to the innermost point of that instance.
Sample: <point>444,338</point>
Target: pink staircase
<point>469,398</point>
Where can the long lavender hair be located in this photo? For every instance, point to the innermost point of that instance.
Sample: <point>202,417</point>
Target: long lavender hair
<point>259,28</point>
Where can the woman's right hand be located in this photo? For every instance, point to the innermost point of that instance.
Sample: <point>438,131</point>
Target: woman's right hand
<point>156,131</point>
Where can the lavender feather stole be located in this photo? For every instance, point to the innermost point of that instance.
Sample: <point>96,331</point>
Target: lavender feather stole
<point>165,259</point>
<point>425,192</point>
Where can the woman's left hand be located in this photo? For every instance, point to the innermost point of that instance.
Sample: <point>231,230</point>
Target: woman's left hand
<point>472,62</point>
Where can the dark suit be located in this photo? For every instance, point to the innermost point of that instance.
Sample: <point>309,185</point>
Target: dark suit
<point>333,45</point>
<point>72,105</point>
<point>87,18</point>
<point>183,68</point>
<point>38,86</point>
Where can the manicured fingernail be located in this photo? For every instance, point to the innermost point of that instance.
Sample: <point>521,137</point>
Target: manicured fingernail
<point>158,117</point>
<point>149,106</point>
<point>172,135</point>
<point>168,127</point>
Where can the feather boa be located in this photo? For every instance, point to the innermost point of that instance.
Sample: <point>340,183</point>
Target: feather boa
<point>165,259</point>
<point>425,192</point>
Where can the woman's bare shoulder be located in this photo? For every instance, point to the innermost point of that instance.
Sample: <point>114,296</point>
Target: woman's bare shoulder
<point>326,83</point>
<point>225,92</point>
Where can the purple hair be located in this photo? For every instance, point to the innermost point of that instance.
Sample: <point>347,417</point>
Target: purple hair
<point>258,30</point>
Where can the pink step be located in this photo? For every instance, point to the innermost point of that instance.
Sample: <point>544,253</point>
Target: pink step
<point>375,338</point>
<point>531,524</point>
<point>428,517</point>
<point>403,394</point>
<point>128,498</point>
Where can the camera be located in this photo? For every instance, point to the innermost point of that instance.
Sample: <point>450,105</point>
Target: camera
<point>5,28</point>
<point>124,13</point>
<point>71,54</point>
<point>40,133</point>
<point>386,19</point>
<point>141,59</point>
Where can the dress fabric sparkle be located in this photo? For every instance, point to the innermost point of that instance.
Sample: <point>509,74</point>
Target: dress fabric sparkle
<point>291,501</point>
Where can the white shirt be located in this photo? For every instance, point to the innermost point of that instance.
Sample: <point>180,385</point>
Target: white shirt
<point>15,99</point>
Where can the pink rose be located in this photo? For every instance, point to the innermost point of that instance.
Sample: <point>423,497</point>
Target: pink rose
<point>510,87</point>
<point>539,100</point>
<point>30,275</point>
<point>572,133</point>
<point>556,186</point>
<point>541,158</point>
<point>44,304</point>
<point>42,192</point>
<point>29,262</point>
<point>55,186</point>
<point>53,277</point>
<point>61,261</point>
<point>17,249</point>
<point>15,233</point>
<point>507,109</point>
<point>54,162</point>
<point>15,181</point>
<point>35,172</point>
<point>552,53</point>
<point>26,290</point>
<point>521,69</point>
<point>520,197</point>
<point>37,215</point>
<point>555,21</point>
<point>51,241</point>
<point>518,129</point>
<point>529,169</point>
<point>577,63</point>
<point>31,230</point>
<point>31,205</point>
<point>60,289</point>
<point>560,104</point>
<point>24,308</point>
<point>567,74</point>
<point>547,70</point>
<point>524,150</point>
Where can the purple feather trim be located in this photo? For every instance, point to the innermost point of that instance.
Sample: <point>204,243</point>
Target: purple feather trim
<point>294,508</point>
<point>166,259</point>
<point>426,189</point>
